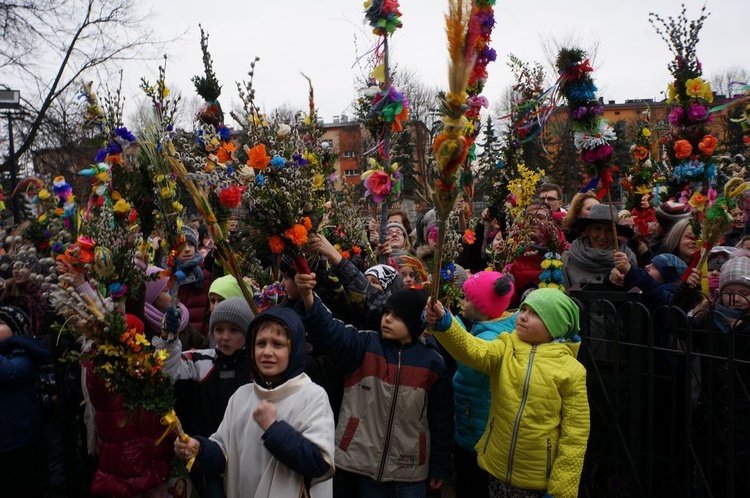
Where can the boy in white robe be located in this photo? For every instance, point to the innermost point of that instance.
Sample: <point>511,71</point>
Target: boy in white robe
<point>277,435</point>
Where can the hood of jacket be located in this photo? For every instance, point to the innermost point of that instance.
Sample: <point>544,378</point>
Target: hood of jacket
<point>297,343</point>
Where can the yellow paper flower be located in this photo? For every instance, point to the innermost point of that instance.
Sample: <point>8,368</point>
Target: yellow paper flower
<point>42,218</point>
<point>121,206</point>
<point>646,132</point>
<point>44,194</point>
<point>177,206</point>
<point>318,181</point>
<point>696,87</point>
<point>166,193</point>
<point>672,94</point>
<point>546,264</point>
<point>161,354</point>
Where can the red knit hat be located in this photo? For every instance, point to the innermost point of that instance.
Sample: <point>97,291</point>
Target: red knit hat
<point>490,291</point>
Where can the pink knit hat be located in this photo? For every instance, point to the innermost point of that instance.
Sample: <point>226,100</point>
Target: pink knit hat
<point>155,287</point>
<point>490,291</point>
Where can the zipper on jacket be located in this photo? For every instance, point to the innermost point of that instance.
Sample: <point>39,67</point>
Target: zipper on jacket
<point>549,457</point>
<point>489,434</point>
<point>517,425</point>
<point>391,413</point>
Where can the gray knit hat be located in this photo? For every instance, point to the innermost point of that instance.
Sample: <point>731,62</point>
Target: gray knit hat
<point>736,270</point>
<point>234,310</point>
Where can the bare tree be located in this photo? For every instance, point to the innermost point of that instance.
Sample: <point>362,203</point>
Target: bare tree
<point>73,38</point>
<point>722,82</point>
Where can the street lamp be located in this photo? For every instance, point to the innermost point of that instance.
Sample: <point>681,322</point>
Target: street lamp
<point>9,100</point>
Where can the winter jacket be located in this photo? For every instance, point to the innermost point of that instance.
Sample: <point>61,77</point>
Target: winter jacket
<point>196,301</point>
<point>129,462</point>
<point>539,416</point>
<point>205,379</point>
<point>20,410</point>
<point>396,420</point>
<point>471,388</point>
<point>365,301</point>
<point>654,293</point>
<point>526,270</point>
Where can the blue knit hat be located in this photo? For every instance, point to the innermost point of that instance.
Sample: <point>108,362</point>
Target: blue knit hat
<point>670,267</point>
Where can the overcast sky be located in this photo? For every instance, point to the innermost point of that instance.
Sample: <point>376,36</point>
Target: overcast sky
<point>323,39</point>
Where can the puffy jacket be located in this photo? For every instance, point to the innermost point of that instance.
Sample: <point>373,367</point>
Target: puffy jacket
<point>129,462</point>
<point>20,411</point>
<point>196,301</point>
<point>539,417</point>
<point>471,388</point>
<point>205,379</point>
<point>396,420</point>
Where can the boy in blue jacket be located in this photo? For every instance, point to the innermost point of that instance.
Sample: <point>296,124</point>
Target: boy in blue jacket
<point>659,281</point>
<point>395,427</point>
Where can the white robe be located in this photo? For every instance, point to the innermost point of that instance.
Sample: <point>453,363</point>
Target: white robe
<point>251,470</point>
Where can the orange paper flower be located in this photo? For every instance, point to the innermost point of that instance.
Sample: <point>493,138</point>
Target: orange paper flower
<point>224,154</point>
<point>698,201</point>
<point>257,157</point>
<point>297,234</point>
<point>276,244</point>
<point>707,144</point>
<point>640,153</point>
<point>305,221</point>
<point>682,149</point>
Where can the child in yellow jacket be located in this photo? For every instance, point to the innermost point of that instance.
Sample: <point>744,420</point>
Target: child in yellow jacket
<point>536,435</point>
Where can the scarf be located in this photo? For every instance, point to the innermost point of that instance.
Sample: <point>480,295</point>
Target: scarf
<point>588,259</point>
<point>727,314</point>
<point>192,272</point>
<point>154,317</point>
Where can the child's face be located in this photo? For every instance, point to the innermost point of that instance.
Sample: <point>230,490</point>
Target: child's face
<point>471,312</point>
<point>654,272</point>
<point>375,282</point>
<point>497,242</point>
<point>290,287</point>
<point>530,327</point>
<point>228,337</point>
<point>394,328</point>
<point>272,351</point>
<point>736,296</point>
<point>407,273</point>
<point>688,244</point>
<point>188,253</point>
<point>213,300</point>
<point>5,331</point>
<point>162,300</point>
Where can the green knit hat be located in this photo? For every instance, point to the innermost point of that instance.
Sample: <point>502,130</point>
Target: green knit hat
<point>226,286</point>
<point>558,312</point>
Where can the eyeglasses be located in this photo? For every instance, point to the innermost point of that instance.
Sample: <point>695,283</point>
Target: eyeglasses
<point>393,232</point>
<point>547,198</point>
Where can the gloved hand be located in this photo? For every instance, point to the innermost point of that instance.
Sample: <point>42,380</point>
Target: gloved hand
<point>172,320</point>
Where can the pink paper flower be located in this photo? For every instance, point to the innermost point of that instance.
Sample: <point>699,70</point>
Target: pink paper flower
<point>378,184</point>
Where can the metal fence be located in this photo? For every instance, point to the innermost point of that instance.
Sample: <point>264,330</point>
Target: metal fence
<point>668,393</point>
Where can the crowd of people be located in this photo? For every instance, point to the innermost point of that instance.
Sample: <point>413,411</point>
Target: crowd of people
<point>355,383</point>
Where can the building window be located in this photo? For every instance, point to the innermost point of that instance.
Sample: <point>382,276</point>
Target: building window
<point>617,113</point>
<point>349,153</point>
<point>351,172</point>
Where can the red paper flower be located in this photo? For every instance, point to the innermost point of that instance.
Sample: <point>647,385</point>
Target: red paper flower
<point>231,196</point>
<point>469,236</point>
<point>305,222</point>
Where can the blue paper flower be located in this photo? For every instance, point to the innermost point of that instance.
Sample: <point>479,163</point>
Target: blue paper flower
<point>278,162</point>
<point>260,179</point>
<point>448,271</point>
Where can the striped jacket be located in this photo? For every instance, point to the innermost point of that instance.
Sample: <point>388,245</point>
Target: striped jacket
<point>396,419</point>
